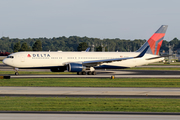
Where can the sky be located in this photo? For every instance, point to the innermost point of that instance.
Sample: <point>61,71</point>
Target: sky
<point>124,19</point>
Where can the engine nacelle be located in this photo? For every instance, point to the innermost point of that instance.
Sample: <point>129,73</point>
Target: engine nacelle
<point>75,67</point>
<point>58,69</point>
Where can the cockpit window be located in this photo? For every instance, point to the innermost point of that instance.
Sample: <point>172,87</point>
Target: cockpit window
<point>10,56</point>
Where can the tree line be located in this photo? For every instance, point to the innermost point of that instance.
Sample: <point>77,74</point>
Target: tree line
<point>37,46</point>
<point>72,43</point>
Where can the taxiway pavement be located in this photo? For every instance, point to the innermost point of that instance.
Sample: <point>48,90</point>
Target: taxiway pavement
<point>102,73</point>
<point>96,76</point>
<point>90,92</point>
<point>11,116</point>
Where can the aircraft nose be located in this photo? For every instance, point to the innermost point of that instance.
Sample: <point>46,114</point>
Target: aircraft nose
<point>8,61</point>
<point>4,61</point>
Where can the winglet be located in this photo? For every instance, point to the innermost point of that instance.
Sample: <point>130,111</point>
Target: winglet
<point>87,50</point>
<point>142,53</point>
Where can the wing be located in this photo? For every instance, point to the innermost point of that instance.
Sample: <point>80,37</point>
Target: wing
<point>98,62</point>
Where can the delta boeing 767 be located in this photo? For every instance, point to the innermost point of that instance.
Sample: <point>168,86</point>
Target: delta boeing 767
<point>87,62</point>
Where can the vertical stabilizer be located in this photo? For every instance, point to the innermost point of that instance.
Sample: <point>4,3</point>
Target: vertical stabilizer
<point>155,41</point>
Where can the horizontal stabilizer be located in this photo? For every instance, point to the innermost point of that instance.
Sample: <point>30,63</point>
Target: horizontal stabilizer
<point>158,57</point>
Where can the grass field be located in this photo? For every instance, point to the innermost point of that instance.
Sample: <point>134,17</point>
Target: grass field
<point>88,104</point>
<point>91,82</point>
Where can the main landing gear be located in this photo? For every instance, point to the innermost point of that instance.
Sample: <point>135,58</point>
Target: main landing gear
<point>88,73</point>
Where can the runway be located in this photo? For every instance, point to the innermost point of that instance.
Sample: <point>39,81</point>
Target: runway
<point>160,66</point>
<point>96,76</point>
<point>91,92</point>
<point>11,116</point>
<point>101,73</point>
<point>4,67</point>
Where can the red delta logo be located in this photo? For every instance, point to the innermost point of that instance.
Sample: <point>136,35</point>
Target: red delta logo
<point>155,42</point>
<point>28,55</point>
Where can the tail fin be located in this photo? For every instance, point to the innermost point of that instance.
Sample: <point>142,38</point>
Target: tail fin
<point>155,41</point>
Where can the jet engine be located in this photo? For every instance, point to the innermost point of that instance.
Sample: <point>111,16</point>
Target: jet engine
<point>75,67</point>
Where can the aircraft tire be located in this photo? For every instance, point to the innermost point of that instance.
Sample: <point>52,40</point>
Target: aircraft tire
<point>79,73</point>
<point>94,73</point>
<point>16,73</point>
<point>83,73</point>
<point>89,73</point>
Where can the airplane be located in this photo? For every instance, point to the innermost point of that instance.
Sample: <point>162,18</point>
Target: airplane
<point>87,62</point>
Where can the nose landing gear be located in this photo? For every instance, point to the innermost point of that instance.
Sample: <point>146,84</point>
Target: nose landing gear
<point>16,71</point>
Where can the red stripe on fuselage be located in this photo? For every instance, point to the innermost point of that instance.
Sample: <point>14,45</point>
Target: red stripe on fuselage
<point>152,41</point>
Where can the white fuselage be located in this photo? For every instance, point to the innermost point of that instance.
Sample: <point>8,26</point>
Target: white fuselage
<point>48,59</point>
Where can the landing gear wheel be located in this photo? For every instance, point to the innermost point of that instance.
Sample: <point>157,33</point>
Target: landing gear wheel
<point>79,73</point>
<point>89,73</point>
<point>94,73</point>
<point>83,73</point>
<point>16,73</point>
